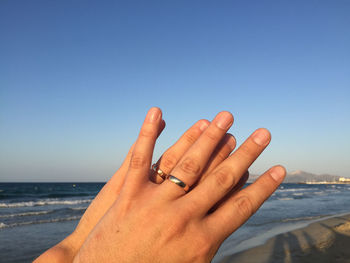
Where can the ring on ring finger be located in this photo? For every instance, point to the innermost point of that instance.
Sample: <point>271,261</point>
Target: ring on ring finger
<point>177,181</point>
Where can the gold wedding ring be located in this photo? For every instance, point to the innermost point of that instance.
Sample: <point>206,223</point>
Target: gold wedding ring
<point>158,171</point>
<point>178,182</point>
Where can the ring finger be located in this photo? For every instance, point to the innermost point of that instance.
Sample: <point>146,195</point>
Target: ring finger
<point>171,157</point>
<point>192,164</point>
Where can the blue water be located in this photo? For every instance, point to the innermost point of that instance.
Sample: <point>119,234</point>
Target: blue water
<point>35,216</point>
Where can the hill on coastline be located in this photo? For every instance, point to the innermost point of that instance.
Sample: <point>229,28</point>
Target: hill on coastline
<point>299,176</point>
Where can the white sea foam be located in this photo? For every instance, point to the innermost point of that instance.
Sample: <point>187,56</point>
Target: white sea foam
<point>44,202</point>
<point>27,214</point>
<point>2,225</point>
<point>294,190</point>
<point>285,198</point>
<point>298,194</point>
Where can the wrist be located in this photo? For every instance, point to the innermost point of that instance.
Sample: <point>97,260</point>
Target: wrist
<point>63,252</point>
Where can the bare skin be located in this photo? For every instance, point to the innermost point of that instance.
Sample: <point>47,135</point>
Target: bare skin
<point>67,249</point>
<point>150,222</point>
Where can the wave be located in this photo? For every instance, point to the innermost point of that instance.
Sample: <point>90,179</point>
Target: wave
<point>44,202</point>
<point>303,218</point>
<point>45,212</point>
<point>298,194</point>
<point>27,214</point>
<point>55,220</point>
<point>332,191</point>
<point>294,190</point>
<point>50,195</point>
<point>285,198</point>
<point>53,195</point>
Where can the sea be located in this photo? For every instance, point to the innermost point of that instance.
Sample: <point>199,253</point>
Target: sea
<point>36,216</point>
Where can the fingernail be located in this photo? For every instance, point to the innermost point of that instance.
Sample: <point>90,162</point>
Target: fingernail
<point>277,173</point>
<point>203,125</point>
<point>153,115</point>
<point>224,120</point>
<point>261,137</point>
<point>230,140</point>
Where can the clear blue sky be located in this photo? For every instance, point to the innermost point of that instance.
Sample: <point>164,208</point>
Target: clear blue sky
<point>77,77</point>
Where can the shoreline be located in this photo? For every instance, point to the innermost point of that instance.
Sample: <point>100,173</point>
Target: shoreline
<point>323,240</point>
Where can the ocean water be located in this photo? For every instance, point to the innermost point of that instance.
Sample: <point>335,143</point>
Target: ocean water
<point>35,216</point>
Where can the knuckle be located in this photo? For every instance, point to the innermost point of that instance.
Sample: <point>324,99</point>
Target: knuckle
<point>222,154</point>
<point>244,206</point>
<point>169,160</point>
<point>186,212</point>
<point>190,166</point>
<point>148,132</point>
<point>190,138</point>
<point>224,178</point>
<point>247,151</point>
<point>266,182</point>
<point>212,135</point>
<point>138,161</point>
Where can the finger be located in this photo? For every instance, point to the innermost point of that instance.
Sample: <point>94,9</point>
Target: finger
<point>141,157</point>
<point>171,157</point>
<point>107,196</point>
<point>222,151</point>
<point>117,179</point>
<point>233,191</point>
<point>161,127</point>
<point>193,162</point>
<point>237,209</point>
<point>228,173</point>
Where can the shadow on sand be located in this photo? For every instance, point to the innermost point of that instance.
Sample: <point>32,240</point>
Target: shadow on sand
<point>326,242</point>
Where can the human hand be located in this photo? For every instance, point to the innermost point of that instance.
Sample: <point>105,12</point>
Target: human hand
<point>66,250</point>
<point>163,223</point>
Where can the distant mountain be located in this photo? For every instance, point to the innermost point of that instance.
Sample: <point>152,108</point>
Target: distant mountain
<point>299,176</point>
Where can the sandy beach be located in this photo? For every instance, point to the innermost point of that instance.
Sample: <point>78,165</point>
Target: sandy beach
<point>323,241</point>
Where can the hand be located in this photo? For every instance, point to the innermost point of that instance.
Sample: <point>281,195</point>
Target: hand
<point>163,223</point>
<point>66,250</point>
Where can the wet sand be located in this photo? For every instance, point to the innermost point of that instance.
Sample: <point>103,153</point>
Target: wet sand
<point>323,241</point>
